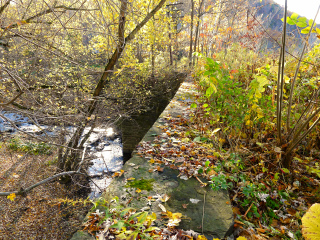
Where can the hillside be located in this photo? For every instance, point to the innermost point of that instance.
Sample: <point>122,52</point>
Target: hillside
<point>271,14</point>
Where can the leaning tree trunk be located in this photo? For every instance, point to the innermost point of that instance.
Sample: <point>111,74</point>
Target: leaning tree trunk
<point>70,158</point>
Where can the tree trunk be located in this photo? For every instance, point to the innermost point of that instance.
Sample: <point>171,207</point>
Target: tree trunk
<point>70,157</point>
<point>197,29</point>
<point>191,32</point>
<point>152,59</point>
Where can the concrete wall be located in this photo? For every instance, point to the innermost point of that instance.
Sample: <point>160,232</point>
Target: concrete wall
<point>134,128</point>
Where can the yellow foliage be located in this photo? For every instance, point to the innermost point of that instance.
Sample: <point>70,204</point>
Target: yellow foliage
<point>311,223</point>
<point>174,218</point>
<point>241,238</point>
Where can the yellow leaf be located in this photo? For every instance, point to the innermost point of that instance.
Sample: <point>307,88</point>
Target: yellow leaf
<point>241,238</point>
<point>174,218</point>
<point>286,79</point>
<point>176,215</point>
<point>201,237</point>
<point>311,223</point>
<point>152,217</point>
<point>118,174</point>
<point>12,196</point>
<point>214,131</point>
<point>138,190</point>
<point>249,123</point>
<point>151,161</point>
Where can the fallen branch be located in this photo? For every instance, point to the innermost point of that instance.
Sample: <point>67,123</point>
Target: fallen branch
<point>24,191</point>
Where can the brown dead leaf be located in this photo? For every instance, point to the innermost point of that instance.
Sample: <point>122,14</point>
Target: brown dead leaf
<point>292,211</point>
<point>212,172</point>
<point>285,220</point>
<point>261,230</point>
<point>159,169</point>
<point>274,223</point>
<point>236,211</point>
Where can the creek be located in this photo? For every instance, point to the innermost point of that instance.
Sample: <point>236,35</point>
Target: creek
<point>104,147</point>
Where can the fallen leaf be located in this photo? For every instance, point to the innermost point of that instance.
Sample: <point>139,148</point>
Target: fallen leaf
<point>163,209</point>
<point>311,223</point>
<point>236,211</point>
<point>12,196</point>
<point>159,169</point>
<point>201,237</point>
<point>261,230</point>
<point>164,198</point>
<point>274,223</point>
<point>194,201</point>
<point>151,161</point>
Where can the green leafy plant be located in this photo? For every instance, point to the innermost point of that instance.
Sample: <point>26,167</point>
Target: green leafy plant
<point>127,223</point>
<point>223,96</point>
<point>35,148</point>
<point>220,182</point>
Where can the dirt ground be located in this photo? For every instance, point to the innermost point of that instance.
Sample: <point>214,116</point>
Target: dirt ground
<point>50,211</point>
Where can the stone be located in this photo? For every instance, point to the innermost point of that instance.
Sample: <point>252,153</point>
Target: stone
<point>199,206</point>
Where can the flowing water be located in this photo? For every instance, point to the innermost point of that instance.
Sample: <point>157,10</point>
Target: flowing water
<point>104,146</point>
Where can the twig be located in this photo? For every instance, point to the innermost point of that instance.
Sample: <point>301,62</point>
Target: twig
<point>84,151</point>
<point>248,210</point>
<point>204,203</point>
<point>96,185</point>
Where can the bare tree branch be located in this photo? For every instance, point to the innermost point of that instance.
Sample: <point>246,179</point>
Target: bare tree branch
<point>47,11</point>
